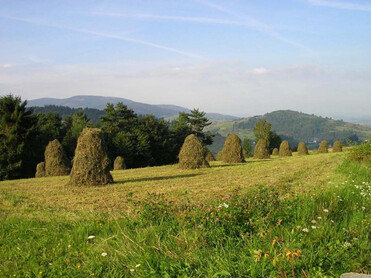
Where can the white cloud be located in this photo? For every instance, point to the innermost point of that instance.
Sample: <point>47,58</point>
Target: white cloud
<point>6,66</point>
<point>340,5</point>
<point>259,71</point>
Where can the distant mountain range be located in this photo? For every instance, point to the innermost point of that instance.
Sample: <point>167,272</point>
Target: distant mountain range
<point>100,102</point>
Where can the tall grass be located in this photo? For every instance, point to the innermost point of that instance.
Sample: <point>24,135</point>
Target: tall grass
<point>269,231</point>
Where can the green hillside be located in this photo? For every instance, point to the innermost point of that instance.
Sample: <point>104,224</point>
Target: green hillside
<point>295,127</point>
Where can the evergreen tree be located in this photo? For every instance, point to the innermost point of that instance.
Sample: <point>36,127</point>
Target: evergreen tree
<point>197,121</point>
<point>17,126</point>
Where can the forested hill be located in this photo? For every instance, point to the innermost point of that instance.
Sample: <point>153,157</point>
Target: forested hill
<point>100,102</point>
<point>295,127</point>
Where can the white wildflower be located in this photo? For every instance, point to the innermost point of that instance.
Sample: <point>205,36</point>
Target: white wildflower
<point>325,210</point>
<point>225,205</point>
<point>332,221</point>
<point>347,244</point>
<point>314,227</point>
<point>363,208</point>
<point>104,254</point>
<point>132,269</point>
<point>305,230</point>
<point>313,221</point>
<point>138,265</point>
<point>319,217</point>
<point>91,237</point>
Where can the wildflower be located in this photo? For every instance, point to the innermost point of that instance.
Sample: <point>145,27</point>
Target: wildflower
<point>138,265</point>
<point>313,221</point>
<point>132,269</point>
<point>332,221</point>
<point>319,217</point>
<point>347,245</point>
<point>314,227</point>
<point>91,237</point>
<point>69,246</point>
<point>305,230</point>
<point>363,208</point>
<point>104,254</point>
<point>225,205</point>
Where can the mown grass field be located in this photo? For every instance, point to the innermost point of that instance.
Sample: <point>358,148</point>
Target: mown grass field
<point>283,217</point>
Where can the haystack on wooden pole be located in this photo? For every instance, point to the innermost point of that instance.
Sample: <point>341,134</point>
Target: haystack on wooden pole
<point>91,163</point>
<point>232,150</point>
<point>338,147</point>
<point>261,150</point>
<point>40,170</point>
<point>219,156</point>
<point>209,156</point>
<point>119,163</point>
<point>192,154</point>
<point>56,161</point>
<point>285,149</point>
<point>302,149</point>
<point>275,152</point>
<point>323,147</point>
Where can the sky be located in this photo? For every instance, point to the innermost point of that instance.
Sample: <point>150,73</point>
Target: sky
<point>233,57</point>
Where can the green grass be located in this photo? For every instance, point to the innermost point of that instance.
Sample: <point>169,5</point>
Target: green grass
<point>246,220</point>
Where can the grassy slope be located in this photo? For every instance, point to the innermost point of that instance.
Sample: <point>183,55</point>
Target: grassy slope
<point>45,225</point>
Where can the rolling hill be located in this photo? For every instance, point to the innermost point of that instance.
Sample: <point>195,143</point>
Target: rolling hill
<point>295,127</point>
<point>99,102</point>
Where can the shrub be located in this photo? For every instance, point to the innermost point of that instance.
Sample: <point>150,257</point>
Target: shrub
<point>56,161</point>
<point>232,150</point>
<point>275,151</point>
<point>209,156</point>
<point>40,170</point>
<point>361,153</point>
<point>91,164</point>
<point>302,149</point>
<point>323,147</point>
<point>261,150</point>
<point>192,154</point>
<point>285,149</point>
<point>338,147</point>
<point>119,163</point>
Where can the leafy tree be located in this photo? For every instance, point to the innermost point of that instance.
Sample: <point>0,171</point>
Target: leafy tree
<point>247,146</point>
<point>262,130</point>
<point>17,126</point>
<point>274,141</point>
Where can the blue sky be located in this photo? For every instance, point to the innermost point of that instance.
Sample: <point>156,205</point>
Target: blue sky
<point>236,57</point>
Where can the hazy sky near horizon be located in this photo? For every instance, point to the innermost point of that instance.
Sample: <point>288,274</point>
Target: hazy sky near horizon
<point>233,57</point>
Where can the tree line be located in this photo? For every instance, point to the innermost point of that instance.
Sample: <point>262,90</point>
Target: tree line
<point>141,140</point>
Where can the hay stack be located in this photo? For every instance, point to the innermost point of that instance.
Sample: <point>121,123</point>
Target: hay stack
<point>40,170</point>
<point>119,163</point>
<point>323,147</point>
<point>56,161</point>
<point>91,164</point>
<point>219,156</point>
<point>232,150</point>
<point>192,154</point>
<point>275,152</point>
<point>302,149</point>
<point>338,147</point>
<point>285,149</point>
<point>261,150</point>
<point>209,156</point>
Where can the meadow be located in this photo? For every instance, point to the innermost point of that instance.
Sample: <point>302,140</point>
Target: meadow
<point>300,216</point>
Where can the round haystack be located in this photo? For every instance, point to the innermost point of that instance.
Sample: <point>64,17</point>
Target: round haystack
<point>119,163</point>
<point>275,152</point>
<point>285,149</point>
<point>338,147</point>
<point>192,154</point>
<point>323,147</point>
<point>209,156</point>
<point>302,149</point>
<point>91,164</point>
<point>40,170</point>
<point>261,150</point>
<point>56,161</point>
<point>232,150</point>
<point>219,156</point>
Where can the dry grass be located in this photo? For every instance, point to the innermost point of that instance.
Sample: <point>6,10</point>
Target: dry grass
<point>39,196</point>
